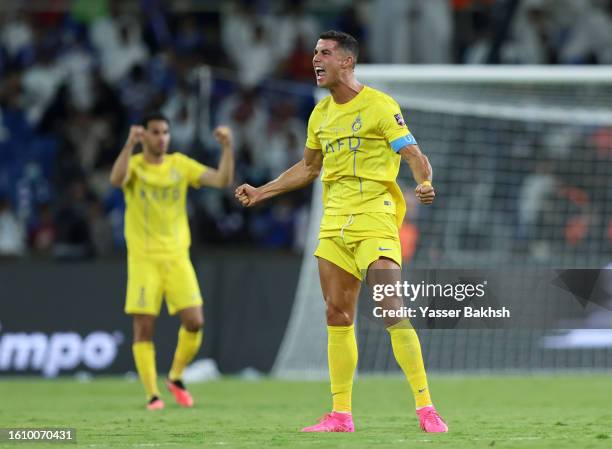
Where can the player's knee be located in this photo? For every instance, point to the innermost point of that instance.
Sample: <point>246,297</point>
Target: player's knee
<point>337,317</point>
<point>194,324</point>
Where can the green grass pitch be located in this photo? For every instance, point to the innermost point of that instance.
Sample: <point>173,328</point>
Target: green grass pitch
<point>501,412</point>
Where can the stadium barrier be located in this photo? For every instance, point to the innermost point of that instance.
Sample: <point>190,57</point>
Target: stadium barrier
<point>64,318</point>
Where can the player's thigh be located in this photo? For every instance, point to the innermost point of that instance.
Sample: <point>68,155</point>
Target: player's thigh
<point>336,251</point>
<point>144,289</point>
<point>181,285</point>
<point>340,292</point>
<point>382,271</point>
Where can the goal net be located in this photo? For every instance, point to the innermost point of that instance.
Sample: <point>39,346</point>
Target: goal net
<point>522,160</point>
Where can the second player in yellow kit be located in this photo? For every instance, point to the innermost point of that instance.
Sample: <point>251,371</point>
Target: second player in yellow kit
<point>157,234</point>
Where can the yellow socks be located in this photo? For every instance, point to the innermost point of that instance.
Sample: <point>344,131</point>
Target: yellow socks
<point>186,349</point>
<point>407,351</point>
<point>144,356</point>
<point>342,359</point>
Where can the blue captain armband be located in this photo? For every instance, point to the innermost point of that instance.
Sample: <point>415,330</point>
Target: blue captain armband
<point>400,143</point>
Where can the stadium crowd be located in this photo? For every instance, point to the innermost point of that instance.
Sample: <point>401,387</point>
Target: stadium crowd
<point>75,77</point>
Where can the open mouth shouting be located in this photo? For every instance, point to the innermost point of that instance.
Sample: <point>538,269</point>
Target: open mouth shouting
<point>319,73</point>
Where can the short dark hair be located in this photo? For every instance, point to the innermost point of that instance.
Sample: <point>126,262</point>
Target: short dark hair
<point>345,41</point>
<point>153,116</point>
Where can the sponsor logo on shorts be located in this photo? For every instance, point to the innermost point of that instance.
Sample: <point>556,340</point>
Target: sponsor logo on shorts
<point>380,248</point>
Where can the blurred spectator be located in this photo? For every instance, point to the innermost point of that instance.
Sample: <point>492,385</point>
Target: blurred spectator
<point>295,28</point>
<point>41,83</point>
<point>535,192</point>
<point>77,64</point>
<point>353,22</point>
<point>480,40</point>
<point>137,93</point>
<point>410,31</point>
<point>91,137</point>
<point>181,110</point>
<point>162,69</point>
<point>298,64</point>
<point>589,39</point>
<point>286,137</point>
<point>533,37</point>
<point>247,116</point>
<point>120,44</point>
<point>104,31</point>
<point>11,231</point>
<point>251,46</point>
<point>16,35</point>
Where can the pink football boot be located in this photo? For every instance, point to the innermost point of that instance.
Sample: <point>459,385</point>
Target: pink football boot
<point>155,404</point>
<point>333,422</point>
<point>430,421</point>
<point>180,393</point>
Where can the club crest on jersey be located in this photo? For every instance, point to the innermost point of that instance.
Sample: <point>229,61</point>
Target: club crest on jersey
<point>175,176</point>
<point>356,126</point>
<point>399,119</point>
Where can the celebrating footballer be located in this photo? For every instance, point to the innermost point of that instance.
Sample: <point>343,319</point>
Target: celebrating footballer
<point>157,234</point>
<point>357,137</point>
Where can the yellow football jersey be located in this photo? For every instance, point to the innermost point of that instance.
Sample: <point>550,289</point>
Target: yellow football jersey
<point>359,140</point>
<point>156,223</point>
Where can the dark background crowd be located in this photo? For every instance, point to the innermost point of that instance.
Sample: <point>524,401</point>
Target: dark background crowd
<point>75,74</point>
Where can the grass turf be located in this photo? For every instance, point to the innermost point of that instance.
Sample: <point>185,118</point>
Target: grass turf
<point>501,412</point>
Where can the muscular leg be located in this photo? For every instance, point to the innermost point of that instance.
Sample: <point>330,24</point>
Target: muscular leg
<point>340,291</point>
<point>189,340</point>
<point>144,352</point>
<point>404,339</point>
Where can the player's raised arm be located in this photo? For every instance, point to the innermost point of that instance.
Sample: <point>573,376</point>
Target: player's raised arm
<point>223,176</point>
<point>421,171</point>
<point>296,177</point>
<point>119,172</point>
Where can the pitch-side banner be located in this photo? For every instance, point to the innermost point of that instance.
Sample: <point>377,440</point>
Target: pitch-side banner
<point>58,319</point>
<point>513,298</point>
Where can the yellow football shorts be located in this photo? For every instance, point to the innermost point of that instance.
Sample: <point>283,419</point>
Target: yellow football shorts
<point>353,242</point>
<point>150,280</point>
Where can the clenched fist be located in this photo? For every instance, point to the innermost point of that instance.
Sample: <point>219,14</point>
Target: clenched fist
<point>425,193</point>
<point>136,134</point>
<point>223,135</point>
<point>247,195</point>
